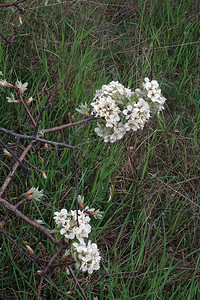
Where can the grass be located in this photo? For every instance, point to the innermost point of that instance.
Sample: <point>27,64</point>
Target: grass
<point>149,235</point>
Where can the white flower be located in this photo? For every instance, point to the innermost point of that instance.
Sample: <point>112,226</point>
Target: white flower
<point>105,107</point>
<point>60,216</point>
<point>101,131</point>
<point>86,255</point>
<point>150,85</point>
<point>114,103</point>
<point>21,86</point>
<point>66,230</point>
<point>35,193</point>
<point>142,106</point>
<point>82,218</point>
<point>1,74</point>
<point>127,112</point>
<point>154,95</point>
<point>70,228</point>
<point>131,124</point>
<point>109,138</point>
<point>154,92</point>
<point>82,231</point>
<point>160,105</point>
<point>68,233</point>
<point>119,131</point>
<point>114,89</point>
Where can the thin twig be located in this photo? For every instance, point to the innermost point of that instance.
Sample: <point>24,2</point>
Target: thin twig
<point>20,202</point>
<point>7,4</point>
<point>177,192</point>
<point>28,257</point>
<point>33,138</point>
<point>15,166</point>
<point>74,133</point>
<point>41,114</point>
<point>45,271</point>
<point>77,283</point>
<point>77,184</point>
<point>26,170</point>
<point>6,40</point>
<point>70,124</point>
<point>26,107</point>
<point>57,164</point>
<point>32,166</point>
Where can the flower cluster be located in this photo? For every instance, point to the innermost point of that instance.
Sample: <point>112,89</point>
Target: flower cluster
<point>85,253</point>
<point>69,227</point>
<point>120,110</point>
<point>86,256</point>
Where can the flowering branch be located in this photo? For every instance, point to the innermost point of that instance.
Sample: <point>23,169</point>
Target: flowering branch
<point>119,110</point>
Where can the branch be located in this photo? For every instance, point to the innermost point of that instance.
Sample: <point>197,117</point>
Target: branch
<point>77,184</point>
<point>7,4</point>
<point>77,283</point>
<point>15,166</point>
<point>29,258</point>
<point>70,124</point>
<point>17,159</point>
<point>6,40</point>
<point>41,114</point>
<point>26,107</point>
<point>18,213</point>
<point>33,138</point>
<point>45,271</point>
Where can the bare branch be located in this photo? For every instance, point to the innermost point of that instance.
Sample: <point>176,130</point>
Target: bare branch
<point>77,283</point>
<point>45,271</point>
<point>7,4</point>
<point>29,257</point>
<point>6,39</point>
<point>26,107</point>
<point>18,213</point>
<point>15,166</point>
<point>16,158</point>
<point>70,124</point>
<point>33,138</point>
<point>77,184</point>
